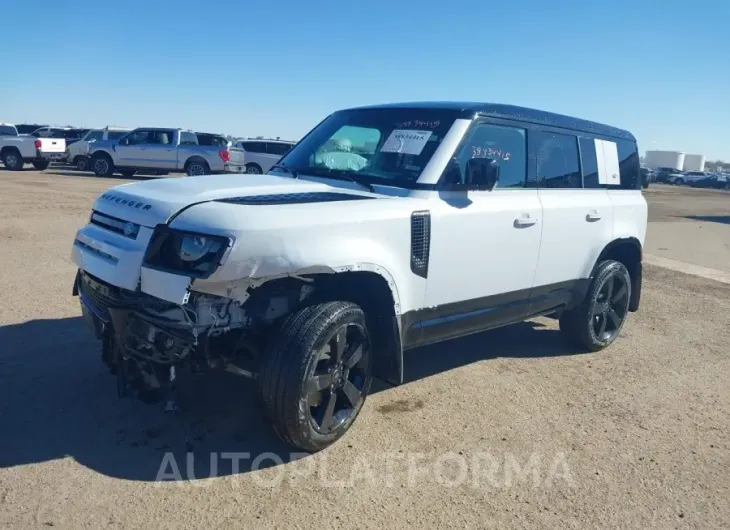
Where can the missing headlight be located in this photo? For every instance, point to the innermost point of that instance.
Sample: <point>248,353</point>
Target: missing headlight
<point>190,253</point>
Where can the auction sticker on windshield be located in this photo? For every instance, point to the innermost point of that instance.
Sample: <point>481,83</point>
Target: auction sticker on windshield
<point>406,141</point>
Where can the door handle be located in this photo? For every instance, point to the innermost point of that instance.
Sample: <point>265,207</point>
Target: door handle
<point>593,216</point>
<point>525,221</point>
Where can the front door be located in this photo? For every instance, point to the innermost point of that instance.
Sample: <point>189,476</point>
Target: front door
<point>484,244</point>
<point>130,149</point>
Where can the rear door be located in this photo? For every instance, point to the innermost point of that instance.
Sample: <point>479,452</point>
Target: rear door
<point>162,151</point>
<point>569,173</point>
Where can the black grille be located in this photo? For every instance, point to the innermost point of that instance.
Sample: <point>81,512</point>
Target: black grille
<point>295,198</point>
<point>113,224</point>
<point>104,295</point>
<point>420,242</point>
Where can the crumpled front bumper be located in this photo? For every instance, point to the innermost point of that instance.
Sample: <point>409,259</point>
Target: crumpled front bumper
<point>119,314</point>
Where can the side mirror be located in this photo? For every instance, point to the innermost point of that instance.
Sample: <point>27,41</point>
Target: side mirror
<point>124,141</point>
<point>482,173</point>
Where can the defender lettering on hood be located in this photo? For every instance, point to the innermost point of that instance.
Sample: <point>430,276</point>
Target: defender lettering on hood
<point>128,202</point>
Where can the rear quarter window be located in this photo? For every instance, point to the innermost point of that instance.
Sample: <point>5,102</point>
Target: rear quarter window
<point>629,167</point>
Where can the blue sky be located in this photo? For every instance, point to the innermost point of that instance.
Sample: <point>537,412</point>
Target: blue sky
<point>659,69</point>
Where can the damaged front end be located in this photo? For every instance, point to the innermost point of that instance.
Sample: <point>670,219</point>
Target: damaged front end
<point>145,340</point>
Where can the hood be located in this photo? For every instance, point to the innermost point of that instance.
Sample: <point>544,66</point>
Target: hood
<point>155,201</point>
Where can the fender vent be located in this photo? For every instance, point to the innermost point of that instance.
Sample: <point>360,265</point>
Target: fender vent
<point>420,242</point>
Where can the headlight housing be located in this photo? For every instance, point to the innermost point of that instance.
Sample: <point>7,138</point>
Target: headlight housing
<point>189,253</point>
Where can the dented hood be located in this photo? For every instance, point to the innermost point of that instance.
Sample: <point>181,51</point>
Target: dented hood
<point>155,201</point>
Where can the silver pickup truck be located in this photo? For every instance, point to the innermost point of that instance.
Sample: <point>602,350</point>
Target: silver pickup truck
<point>161,151</point>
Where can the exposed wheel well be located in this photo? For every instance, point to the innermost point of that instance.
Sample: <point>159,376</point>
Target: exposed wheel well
<point>627,251</point>
<point>8,148</point>
<point>367,289</point>
<point>194,159</point>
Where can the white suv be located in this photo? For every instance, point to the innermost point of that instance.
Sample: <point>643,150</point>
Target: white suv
<point>260,155</point>
<point>385,228</point>
<point>78,152</point>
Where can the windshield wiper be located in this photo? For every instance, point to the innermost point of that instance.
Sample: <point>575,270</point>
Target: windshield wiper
<point>292,172</point>
<point>346,176</point>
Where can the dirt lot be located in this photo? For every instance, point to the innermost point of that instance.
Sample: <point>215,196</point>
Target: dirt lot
<point>509,428</point>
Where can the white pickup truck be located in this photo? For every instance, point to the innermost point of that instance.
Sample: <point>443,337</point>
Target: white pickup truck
<point>16,150</point>
<point>163,151</point>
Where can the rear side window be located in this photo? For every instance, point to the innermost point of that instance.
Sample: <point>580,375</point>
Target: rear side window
<point>188,138</point>
<point>589,163</point>
<point>94,135</point>
<point>8,130</point>
<point>629,166</point>
<point>254,147</point>
<point>554,160</point>
<point>162,137</point>
<point>277,149</point>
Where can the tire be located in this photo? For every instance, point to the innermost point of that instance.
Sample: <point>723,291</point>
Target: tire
<point>82,163</point>
<point>599,318</point>
<point>12,159</point>
<point>311,396</point>
<point>128,173</point>
<point>253,169</point>
<point>679,182</point>
<point>102,165</point>
<point>197,168</point>
<point>41,165</point>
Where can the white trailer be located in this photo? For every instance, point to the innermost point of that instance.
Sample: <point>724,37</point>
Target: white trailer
<point>694,163</point>
<point>670,159</point>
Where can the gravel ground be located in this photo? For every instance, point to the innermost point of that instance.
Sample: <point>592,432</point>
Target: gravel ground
<point>509,428</point>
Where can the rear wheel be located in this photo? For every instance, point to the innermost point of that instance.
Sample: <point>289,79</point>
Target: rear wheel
<point>598,320</point>
<point>317,374</point>
<point>197,168</point>
<point>41,165</point>
<point>253,169</point>
<point>12,159</point>
<point>679,182</point>
<point>102,165</point>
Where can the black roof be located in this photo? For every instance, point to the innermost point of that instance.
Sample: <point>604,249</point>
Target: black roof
<point>512,112</point>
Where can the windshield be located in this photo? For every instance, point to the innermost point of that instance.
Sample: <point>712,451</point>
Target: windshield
<point>380,146</point>
<point>116,135</point>
<point>8,130</point>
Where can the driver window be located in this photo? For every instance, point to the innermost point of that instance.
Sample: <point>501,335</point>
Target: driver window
<point>504,144</point>
<point>138,137</point>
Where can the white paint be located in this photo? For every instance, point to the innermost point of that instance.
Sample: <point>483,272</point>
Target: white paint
<point>577,226</point>
<point>477,246</point>
<point>166,286</point>
<point>608,167</point>
<point>688,268</point>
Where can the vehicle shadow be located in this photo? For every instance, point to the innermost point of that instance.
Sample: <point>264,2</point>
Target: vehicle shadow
<point>723,219</point>
<point>57,399</point>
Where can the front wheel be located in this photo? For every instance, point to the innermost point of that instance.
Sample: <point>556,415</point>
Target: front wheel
<point>41,165</point>
<point>316,374</point>
<point>598,320</point>
<point>102,166</point>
